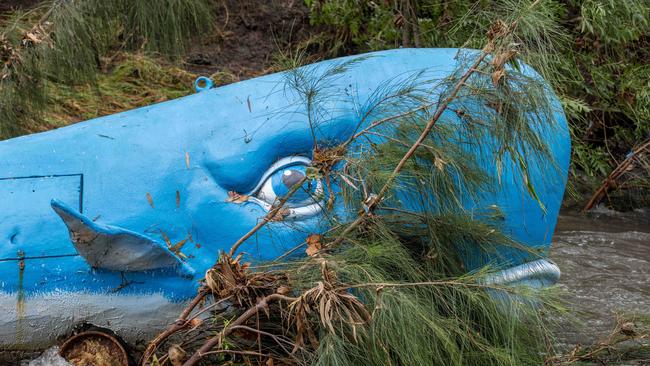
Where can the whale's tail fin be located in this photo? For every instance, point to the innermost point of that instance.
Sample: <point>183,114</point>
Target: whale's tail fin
<point>114,248</point>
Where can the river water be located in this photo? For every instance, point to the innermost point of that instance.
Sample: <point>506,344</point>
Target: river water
<point>605,261</point>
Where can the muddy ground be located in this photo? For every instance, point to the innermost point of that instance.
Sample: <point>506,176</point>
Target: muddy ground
<point>248,37</point>
<point>8,5</point>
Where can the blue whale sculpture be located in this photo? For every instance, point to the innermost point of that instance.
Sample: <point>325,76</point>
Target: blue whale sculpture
<point>114,220</point>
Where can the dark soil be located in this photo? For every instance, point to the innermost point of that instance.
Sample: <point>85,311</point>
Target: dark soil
<point>8,5</point>
<point>248,34</point>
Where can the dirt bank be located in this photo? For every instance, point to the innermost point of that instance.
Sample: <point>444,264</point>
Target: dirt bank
<point>248,34</point>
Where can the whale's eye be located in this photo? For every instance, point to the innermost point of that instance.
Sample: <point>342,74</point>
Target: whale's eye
<point>279,181</point>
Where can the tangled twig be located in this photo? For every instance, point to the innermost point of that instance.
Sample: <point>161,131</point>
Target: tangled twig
<point>215,341</point>
<point>181,323</point>
<point>613,347</point>
<point>268,217</point>
<point>623,167</point>
<point>425,133</point>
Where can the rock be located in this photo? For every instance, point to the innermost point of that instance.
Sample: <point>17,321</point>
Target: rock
<point>50,357</point>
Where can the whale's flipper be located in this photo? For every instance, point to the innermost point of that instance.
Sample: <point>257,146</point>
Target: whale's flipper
<point>114,248</point>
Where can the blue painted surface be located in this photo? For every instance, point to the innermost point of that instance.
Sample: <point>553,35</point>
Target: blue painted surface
<point>164,171</point>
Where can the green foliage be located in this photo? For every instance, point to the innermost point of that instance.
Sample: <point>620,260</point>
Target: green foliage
<point>133,81</point>
<point>67,42</point>
<point>594,53</point>
<point>614,22</point>
<point>405,262</point>
<point>422,312</point>
<point>445,324</point>
<point>165,26</point>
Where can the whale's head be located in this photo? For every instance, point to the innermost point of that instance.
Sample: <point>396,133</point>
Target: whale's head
<point>170,186</point>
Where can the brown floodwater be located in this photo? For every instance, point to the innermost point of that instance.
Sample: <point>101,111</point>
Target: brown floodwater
<point>605,261</point>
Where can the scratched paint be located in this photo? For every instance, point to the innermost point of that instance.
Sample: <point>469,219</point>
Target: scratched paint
<point>103,210</point>
<point>20,301</point>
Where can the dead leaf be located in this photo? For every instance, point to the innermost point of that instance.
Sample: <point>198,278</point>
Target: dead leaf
<point>187,160</point>
<point>236,197</point>
<point>498,64</point>
<point>178,199</point>
<point>176,355</point>
<point>439,163</point>
<point>166,239</point>
<point>348,181</point>
<point>30,36</point>
<point>176,248</point>
<point>283,290</point>
<point>150,200</point>
<point>498,30</point>
<point>398,21</point>
<point>313,244</point>
<point>195,323</point>
<point>628,329</point>
<point>501,59</point>
<point>281,214</point>
<point>497,75</point>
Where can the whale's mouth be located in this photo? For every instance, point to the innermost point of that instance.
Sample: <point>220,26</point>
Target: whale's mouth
<point>539,273</point>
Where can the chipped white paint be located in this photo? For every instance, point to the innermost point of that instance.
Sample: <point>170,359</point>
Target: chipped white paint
<point>44,317</point>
